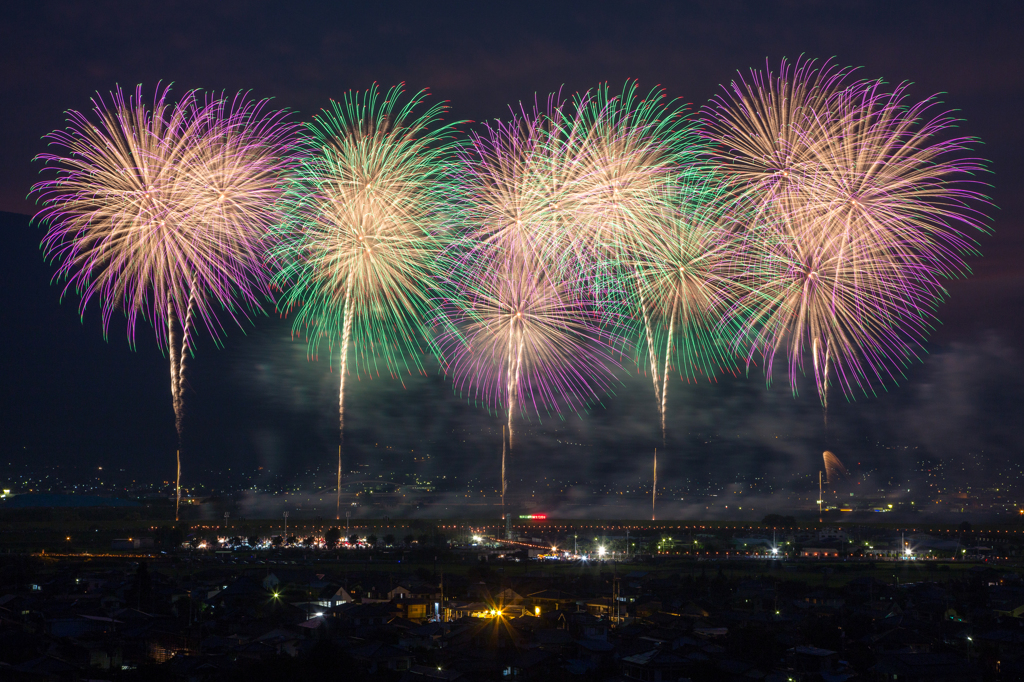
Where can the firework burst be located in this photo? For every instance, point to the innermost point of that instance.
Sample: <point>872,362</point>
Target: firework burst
<point>522,340</point>
<point>629,153</point>
<point>860,205</point>
<point>686,268</point>
<point>159,211</point>
<point>833,467</point>
<point>359,249</point>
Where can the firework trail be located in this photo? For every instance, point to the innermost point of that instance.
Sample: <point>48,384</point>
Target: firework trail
<point>358,251</point>
<point>160,211</point>
<point>860,205</point>
<point>654,488</point>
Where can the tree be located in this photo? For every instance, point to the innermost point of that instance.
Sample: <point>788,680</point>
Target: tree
<point>371,540</point>
<point>308,542</point>
<point>171,538</point>
<point>389,540</point>
<point>353,539</point>
<point>254,540</point>
<point>143,587</point>
<point>332,537</point>
<point>409,539</point>
<point>779,520</point>
<point>277,540</point>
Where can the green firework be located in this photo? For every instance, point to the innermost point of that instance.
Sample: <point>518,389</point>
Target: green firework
<point>358,251</point>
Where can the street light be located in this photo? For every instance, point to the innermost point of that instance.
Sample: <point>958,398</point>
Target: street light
<point>285,527</point>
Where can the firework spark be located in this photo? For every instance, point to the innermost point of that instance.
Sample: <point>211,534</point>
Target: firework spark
<point>359,249</point>
<point>160,210</point>
<point>833,467</point>
<point>859,206</point>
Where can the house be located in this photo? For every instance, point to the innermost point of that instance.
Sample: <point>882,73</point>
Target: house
<point>366,614</point>
<point>819,552</point>
<point>919,667</point>
<point>812,660</point>
<point>655,665</point>
<point>601,606</point>
<point>548,600</point>
<point>584,625</point>
<point>378,656</point>
<point>592,653</point>
<point>331,597</point>
<point>426,636</point>
<point>80,625</point>
<point>426,673</point>
<point>416,609</point>
<point>554,640</point>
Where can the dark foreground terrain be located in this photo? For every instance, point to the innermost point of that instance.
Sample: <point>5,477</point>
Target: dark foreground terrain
<point>422,601</point>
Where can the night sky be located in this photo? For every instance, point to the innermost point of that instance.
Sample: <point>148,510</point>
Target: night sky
<point>69,396</point>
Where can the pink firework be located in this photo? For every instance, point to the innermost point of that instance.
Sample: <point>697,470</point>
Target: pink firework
<point>161,210</point>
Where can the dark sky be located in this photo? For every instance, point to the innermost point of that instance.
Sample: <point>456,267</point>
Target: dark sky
<point>70,396</point>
